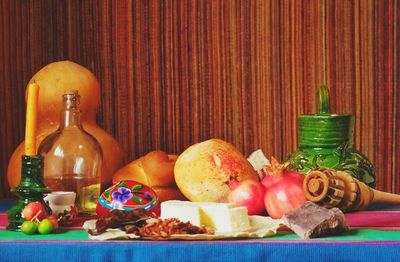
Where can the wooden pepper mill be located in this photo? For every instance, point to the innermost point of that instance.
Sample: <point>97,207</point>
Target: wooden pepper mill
<point>331,188</point>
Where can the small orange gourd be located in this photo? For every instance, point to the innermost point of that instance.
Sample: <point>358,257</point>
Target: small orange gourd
<point>54,80</point>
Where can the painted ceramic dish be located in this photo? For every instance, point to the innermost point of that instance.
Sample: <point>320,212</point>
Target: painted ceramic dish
<point>126,195</point>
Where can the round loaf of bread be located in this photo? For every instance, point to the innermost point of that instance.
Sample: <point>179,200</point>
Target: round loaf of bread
<point>168,193</point>
<point>156,170</point>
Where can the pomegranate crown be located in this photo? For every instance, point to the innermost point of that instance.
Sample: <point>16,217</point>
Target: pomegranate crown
<point>275,168</point>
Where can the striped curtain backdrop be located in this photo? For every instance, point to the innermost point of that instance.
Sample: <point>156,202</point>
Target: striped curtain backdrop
<point>176,72</point>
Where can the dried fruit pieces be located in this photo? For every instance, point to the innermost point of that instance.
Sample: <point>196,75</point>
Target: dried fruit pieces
<point>145,224</point>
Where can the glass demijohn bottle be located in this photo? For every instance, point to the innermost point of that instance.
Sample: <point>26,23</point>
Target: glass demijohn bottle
<point>73,157</point>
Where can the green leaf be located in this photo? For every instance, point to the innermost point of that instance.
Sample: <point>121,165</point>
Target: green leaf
<point>137,187</point>
<point>107,194</point>
<point>137,200</point>
<point>122,184</point>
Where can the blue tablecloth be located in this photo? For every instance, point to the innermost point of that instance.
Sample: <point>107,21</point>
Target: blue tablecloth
<point>198,251</point>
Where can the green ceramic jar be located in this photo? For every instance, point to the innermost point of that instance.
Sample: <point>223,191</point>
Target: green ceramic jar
<point>326,140</point>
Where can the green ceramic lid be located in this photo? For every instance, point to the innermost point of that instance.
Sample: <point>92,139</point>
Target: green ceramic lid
<point>325,129</point>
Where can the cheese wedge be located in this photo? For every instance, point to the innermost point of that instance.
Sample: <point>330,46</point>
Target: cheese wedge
<point>220,217</point>
<point>181,210</point>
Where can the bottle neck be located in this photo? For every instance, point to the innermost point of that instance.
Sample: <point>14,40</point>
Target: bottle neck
<point>71,118</point>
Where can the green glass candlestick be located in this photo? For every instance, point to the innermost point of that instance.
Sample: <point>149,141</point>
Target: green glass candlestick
<point>326,140</point>
<point>30,189</point>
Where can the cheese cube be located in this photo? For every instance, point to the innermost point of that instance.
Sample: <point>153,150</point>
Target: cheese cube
<point>220,217</point>
<point>225,219</point>
<point>181,210</point>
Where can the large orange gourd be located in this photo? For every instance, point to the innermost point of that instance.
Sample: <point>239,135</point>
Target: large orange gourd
<point>54,80</point>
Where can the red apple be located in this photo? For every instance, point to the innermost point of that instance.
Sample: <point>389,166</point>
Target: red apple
<point>34,209</point>
<point>54,221</point>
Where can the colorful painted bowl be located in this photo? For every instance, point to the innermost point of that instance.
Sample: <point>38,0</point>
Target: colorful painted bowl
<point>126,195</point>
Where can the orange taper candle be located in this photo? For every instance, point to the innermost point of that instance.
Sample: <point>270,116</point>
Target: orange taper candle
<point>31,119</point>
